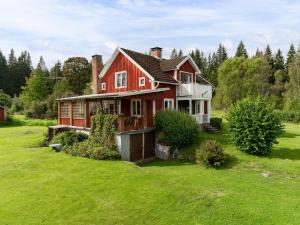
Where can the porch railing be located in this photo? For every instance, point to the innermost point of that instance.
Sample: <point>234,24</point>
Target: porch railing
<point>128,123</point>
<point>201,118</point>
<point>195,90</point>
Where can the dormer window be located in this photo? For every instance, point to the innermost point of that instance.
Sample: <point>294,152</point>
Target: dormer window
<point>186,77</point>
<point>142,81</point>
<point>121,79</point>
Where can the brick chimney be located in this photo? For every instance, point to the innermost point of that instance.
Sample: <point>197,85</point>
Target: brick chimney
<point>156,52</point>
<point>97,66</point>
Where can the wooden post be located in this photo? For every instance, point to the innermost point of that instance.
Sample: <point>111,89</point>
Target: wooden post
<point>71,113</point>
<point>58,112</point>
<point>145,113</point>
<point>86,113</point>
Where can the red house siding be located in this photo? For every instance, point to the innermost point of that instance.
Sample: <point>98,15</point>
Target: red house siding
<point>64,121</point>
<point>186,67</point>
<point>78,122</point>
<point>2,114</point>
<point>122,63</point>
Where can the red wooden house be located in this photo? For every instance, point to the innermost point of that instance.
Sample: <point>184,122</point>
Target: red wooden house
<point>137,86</point>
<point>2,114</point>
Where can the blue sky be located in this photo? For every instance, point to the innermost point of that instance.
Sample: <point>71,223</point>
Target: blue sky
<point>61,29</point>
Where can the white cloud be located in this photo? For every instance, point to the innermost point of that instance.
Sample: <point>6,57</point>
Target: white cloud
<point>60,29</point>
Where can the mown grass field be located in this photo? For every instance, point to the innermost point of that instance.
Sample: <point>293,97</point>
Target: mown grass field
<point>39,186</point>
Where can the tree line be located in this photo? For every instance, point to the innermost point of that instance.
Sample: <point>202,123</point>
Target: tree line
<point>34,90</point>
<point>265,74</point>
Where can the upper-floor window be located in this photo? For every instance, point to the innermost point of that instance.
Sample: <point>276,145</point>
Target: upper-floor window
<point>186,77</point>
<point>121,79</point>
<point>142,81</point>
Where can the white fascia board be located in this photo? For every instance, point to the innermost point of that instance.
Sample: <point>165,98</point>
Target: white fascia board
<point>109,62</point>
<point>137,65</point>
<point>189,58</point>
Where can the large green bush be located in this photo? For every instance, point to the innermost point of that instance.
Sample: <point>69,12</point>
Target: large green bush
<point>254,126</point>
<point>101,142</point>
<point>178,129</point>
<point>68,138</point>
<point>210,154</point>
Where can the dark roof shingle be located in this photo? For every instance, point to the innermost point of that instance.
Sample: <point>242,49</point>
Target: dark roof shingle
<point>171,64</point>
<point>151,64</point>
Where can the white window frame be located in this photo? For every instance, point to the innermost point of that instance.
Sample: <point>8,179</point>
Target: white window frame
<point>169,100</point>
<point>132,110</point>
<point>103,86</point>
<point>140,79</point>
<point>116,79</point>
<point>191,81</point>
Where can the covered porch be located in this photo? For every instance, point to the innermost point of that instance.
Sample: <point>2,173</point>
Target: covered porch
<point>197,108</point>
<point>135,110</point>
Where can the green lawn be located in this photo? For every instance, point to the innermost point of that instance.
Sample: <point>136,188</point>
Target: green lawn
<point>38,186</point>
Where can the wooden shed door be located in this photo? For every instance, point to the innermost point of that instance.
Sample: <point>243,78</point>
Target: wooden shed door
<point>136,147</point>
<point>149,149</point>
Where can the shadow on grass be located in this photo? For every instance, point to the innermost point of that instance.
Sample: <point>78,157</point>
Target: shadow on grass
<point>289,135</point>
<point>285,153</point>
<point>168,163</point>
<point>230,163</point>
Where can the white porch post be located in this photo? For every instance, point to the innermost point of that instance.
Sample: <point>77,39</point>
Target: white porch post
<point>209,109</point>
<point>120,107</point>
<point>190,106</point>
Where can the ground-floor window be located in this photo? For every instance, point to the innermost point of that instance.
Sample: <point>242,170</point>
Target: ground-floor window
<point>64,110</point>
<point>136,107</point>
<point>168,103</point>
<point>196,107</point>
<point>110,106</point>
<point>78,112</point>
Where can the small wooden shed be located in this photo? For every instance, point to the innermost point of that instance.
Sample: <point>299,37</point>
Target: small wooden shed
<point>2,114</point>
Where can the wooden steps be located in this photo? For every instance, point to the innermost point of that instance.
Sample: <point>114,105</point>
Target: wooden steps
<point>210,129</point>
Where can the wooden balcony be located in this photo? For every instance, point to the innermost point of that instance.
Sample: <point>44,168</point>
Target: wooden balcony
<point>130,123</point>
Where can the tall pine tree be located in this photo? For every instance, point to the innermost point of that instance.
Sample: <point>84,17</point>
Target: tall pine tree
<point>269,57</point>
<point>241,50</point>
<point>3,72</point>
<point>174,53</point>
<point>290,56</point>
<point>278,61</point>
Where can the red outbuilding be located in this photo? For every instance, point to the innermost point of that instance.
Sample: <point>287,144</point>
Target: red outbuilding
<point>2,114</point>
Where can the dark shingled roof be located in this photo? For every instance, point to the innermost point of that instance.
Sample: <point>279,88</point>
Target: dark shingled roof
<point>200,80</point>
<point>152,65</point>
<point>170,64</point>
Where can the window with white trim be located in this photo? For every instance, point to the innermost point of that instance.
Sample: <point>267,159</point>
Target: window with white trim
<point>142,81</point>
<point>136,107</point>
<point>103,86</point>
<point>121,79</point>
<point>168,103</point>
<point>186,77</point>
